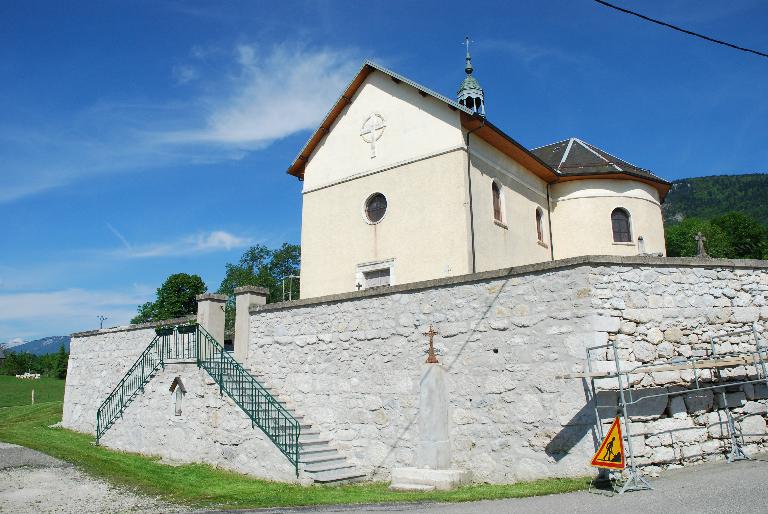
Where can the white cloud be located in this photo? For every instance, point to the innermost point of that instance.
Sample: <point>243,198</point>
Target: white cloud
<point>217,240</point>
<point>14,342</point>
<point>185,74</point>
<point>61,312</point>
<point>272,96</point>
<point>239,101</point>
<point>119,236</point>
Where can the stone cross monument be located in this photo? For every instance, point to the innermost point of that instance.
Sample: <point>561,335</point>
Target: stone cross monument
<point>432,468</point>
<point>700,250</point>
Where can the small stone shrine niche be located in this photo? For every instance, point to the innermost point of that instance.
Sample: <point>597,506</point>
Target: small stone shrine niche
<point>177,387</point>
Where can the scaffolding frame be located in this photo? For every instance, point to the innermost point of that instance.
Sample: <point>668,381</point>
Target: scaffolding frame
<point>714,362</point>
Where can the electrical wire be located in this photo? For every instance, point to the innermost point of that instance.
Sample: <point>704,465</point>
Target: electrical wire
<point>680,29</point>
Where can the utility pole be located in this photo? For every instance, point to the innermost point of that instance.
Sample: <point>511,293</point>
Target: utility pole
<point>101,320</point>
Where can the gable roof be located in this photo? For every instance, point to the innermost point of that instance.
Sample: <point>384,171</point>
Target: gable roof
<point>573,158</point>
<point>469,120</point>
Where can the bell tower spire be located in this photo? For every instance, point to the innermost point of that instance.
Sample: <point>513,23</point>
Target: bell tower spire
<point>470,94</point>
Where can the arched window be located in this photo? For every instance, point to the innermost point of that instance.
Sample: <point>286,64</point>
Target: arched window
<point>539,228</point>
<point>496,201</point>
<point>620,225</point>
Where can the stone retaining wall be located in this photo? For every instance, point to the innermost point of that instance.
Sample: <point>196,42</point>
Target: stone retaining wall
<point>659,313</point>
<point>351,363</point>
<point>98,360</point>
<point>210,429</point>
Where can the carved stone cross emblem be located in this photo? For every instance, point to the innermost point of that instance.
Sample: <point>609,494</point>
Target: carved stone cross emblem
<point>432,358</point>
<point>372,130</point>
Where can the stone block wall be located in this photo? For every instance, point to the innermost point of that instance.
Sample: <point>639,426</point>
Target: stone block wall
<point>352,368</point>
<point>351,362</point>
<point>351,365</point>
<point>660,313</point>
<point>210,429</point>
<point>98,359</point>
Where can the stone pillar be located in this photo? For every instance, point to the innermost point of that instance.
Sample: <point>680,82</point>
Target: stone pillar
<point>210,314</point>
<point>434,450</point>
<point>432,468</point>
<point>245,297</point>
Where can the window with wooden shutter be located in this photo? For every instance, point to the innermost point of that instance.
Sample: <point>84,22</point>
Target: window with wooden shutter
<point>539,228</point>
<point>376,278</point>
<point>496,191</point>
<point>620,225</point>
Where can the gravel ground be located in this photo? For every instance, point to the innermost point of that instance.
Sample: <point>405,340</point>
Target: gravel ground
<point>31,481</point>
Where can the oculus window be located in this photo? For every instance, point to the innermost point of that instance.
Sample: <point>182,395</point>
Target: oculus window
<point>375,207</point>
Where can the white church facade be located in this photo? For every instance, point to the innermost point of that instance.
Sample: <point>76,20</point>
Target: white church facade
<point>402,185</point>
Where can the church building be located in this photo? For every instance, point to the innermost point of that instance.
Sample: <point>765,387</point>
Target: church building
<point>401,184</point>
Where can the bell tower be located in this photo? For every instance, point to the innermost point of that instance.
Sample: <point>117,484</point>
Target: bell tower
<point>470,94</point>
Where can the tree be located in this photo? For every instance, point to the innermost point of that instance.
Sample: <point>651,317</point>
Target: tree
<point>175,298</point>
<point>746,236</point>
<point>681,240</point>
<point>260,266</point>
<point>60,367</point>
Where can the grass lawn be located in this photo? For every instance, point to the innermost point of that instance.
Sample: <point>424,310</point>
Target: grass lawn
<point>201,486</point>
<point>14,391</point>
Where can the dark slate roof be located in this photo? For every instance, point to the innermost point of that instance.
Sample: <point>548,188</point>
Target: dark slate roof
<point>573,157</point>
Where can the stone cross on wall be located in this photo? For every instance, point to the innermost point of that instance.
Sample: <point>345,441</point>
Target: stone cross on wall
<point>372,130</point>
<point>700,250</point>
<point>432,358</point>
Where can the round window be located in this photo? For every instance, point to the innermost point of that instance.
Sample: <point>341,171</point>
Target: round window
<point>375,207</point>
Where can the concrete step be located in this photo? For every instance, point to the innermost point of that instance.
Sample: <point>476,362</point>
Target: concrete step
<point>324,467</point>
<point>317,451</point>
<point>337,477</point>
<point>411,487</point>
<point>313,443</point>
<point>331,460</point>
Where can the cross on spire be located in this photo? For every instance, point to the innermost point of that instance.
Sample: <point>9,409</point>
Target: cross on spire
<point>468,67</point>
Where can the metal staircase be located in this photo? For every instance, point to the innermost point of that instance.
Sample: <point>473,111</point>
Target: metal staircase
<point>293,436</point>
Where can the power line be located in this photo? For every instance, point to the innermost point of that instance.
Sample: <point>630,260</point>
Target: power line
<point>680,29</point>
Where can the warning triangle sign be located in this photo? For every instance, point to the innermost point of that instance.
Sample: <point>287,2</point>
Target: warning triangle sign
<point>611,452</point>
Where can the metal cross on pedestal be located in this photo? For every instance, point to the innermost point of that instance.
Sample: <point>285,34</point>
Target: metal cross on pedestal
<point>700,250</point>
<point>372,130</point>
<point>432,358</point>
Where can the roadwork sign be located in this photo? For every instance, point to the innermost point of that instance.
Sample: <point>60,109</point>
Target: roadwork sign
<point>611,452</point>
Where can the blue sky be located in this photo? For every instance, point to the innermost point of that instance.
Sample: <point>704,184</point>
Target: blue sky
<point>144,138</point>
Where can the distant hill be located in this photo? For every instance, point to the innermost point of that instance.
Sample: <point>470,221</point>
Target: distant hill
<point>42,346</point>
<point>707,197</point>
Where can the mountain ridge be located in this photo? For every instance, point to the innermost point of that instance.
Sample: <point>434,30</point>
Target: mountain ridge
<point>41,346</point>
<point>715,195</point>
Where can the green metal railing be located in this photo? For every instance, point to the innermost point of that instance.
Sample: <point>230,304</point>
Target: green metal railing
<point>249,394</point>
<point>194,343</point>
<point>129,386</point>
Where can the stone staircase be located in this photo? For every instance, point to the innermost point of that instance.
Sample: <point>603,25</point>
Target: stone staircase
<point>318,460</point>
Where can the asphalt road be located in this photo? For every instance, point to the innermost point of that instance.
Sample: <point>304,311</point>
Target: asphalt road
<point>717,487</point>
